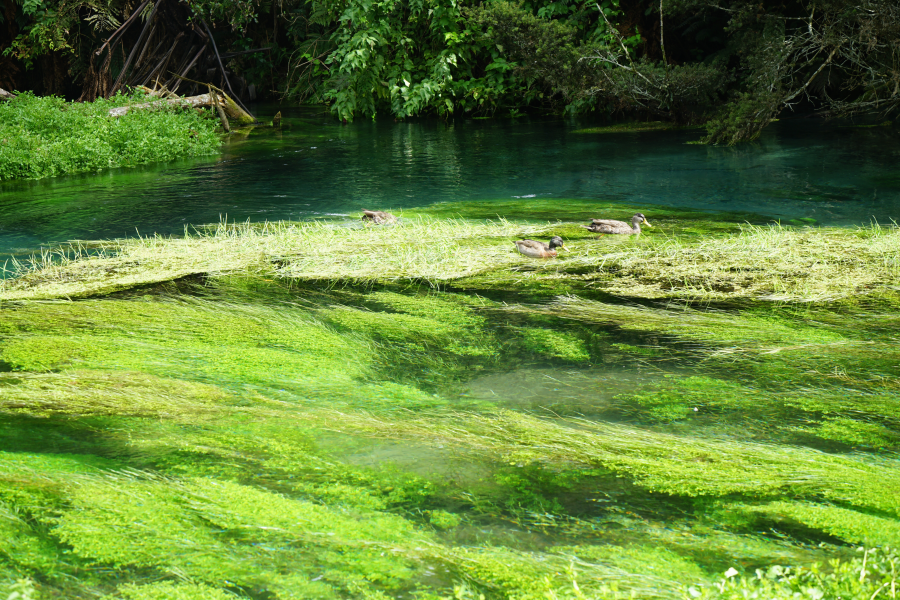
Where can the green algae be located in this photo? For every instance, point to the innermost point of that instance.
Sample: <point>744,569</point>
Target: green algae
<point>199,341</point>
<point>852,526</point>
<point>556,344</point>
<point>265,435</point>
<point>170,590</point>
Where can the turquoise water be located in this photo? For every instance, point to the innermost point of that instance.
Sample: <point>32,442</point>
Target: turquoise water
<point>318,167</point>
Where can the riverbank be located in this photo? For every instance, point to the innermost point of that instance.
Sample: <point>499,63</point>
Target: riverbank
<point>47,136</point>
<point>324,410</point>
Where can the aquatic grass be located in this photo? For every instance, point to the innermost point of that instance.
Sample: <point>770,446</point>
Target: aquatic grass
<point>427,250</point>
<point>767,263</point>
<point>170,590</point>
<point>572,213</point>
<point>557,344</point>
<point>733,331</point>
<point>660,462</point>
<point>852,526</point>
<point>635,127</point>
<point>217,533</point>
<point>123,393</point>
<point>202,341</point>
<point>267,430</point>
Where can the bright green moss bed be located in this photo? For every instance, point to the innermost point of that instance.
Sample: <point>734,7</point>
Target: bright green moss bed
<point>245,414</point>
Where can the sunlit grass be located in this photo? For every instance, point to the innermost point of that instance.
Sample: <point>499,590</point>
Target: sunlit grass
<point>770,263</point>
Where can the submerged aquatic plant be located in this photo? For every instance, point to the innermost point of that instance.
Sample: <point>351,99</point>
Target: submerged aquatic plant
<point>318,416</point>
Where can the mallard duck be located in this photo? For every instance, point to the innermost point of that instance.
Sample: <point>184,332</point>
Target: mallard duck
<point>620,227</point>
<point>378,217</point>
<point>540,249</point>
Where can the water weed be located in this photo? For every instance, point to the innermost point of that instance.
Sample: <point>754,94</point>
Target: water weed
<point>768,263</point>
<point>321,410</point>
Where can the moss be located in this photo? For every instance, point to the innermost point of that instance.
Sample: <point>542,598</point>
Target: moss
<point>442,519</point>
<point>223,344</point>
<point>556,344</point>
<point>856,433</point>
<point>169,590</point>
<point>849,525</point>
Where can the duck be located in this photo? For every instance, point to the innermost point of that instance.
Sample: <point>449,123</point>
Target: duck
<point>620,227</point>
<point>537,249</point>
<point>379,217</point>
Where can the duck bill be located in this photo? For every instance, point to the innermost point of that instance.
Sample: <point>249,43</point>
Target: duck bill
<point>647,223</point>
<point>564,247</point>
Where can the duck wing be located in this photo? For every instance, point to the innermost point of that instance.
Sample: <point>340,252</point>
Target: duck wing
<point>609,226</point>
<point>534,249</point>
<point>379,216</point>
<point>610,223</point>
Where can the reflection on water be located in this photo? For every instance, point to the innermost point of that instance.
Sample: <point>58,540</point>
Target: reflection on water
<point>319,167</point>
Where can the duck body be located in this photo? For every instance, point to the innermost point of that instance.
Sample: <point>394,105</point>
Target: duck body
<point>618,227</point>
<point>536,249</point>
<point>379,217</point>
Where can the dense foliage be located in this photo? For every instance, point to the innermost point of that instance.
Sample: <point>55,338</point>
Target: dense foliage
<point>735,64</point>
<point>43,137</point>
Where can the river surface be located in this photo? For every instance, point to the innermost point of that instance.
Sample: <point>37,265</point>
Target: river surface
<point>318,167</point>
<point>260,438</point>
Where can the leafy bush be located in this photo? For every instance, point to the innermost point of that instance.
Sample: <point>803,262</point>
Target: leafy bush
<point>45,137</point>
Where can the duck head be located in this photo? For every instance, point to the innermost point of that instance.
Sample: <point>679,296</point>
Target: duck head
<point>638,219</point>
<point>557,242</point>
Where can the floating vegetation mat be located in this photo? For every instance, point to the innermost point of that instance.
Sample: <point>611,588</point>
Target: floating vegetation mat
<point>328,411</point>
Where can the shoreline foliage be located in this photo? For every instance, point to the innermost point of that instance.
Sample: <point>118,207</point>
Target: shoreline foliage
<point>731,66</point>
<point>241,413</point>
<point>46,137</point>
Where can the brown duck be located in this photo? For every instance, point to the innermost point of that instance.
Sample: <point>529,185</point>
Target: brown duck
<point>536,249</point>
<point>379,217</point>
<point>619,227</point>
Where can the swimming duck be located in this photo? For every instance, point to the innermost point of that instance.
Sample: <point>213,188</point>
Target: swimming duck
<point>378,217</point>
<point>540,249</point>
<point>610,226</point>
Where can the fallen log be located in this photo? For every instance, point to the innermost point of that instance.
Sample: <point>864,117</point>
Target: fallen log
<point>220,100</point>
<point>220,110</point>
<point>4,95</point>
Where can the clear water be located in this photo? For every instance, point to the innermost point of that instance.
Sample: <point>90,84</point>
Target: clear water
<point>317,167</point>
<point>284,441</point>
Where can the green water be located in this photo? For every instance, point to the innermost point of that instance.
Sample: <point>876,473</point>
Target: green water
<point>255,437</point>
